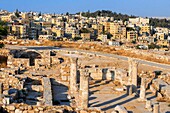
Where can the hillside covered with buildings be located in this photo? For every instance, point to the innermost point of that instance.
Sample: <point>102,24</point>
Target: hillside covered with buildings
<point>106,26</point>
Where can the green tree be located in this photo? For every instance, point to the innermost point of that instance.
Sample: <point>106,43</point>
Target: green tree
<point>17,13</point>
<point>153,46</point>
<point>2,45</point>
<point>67,13</point>
<point>3,31</point>
<point>39,14</point>
<point>133,41</point>
<point>109,36</point>
<point>2,23</point>
<point>118,16</point>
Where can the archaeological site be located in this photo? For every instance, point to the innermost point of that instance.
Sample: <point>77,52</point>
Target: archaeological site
<point>55,80</point>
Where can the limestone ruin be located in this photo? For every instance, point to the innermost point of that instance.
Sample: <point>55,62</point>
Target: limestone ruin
<point>51,80</point>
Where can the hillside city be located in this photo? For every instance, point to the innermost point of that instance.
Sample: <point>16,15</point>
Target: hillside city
<point>136,32</point>
<point>88,62</point>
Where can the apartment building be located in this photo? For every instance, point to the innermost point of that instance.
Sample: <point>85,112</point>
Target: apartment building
<point>132,35</point>
<point>163,43</point>
<point>69,31</point>
<point>7,18</point>
<point>106,26</point>
<point>20,31</point>
<point>59,32</point>
<point>161,36</point>
<point>85,36</point>
<point>100,29</point>
<point>162,30</point>
<point>145,29</point>
<point>25,16</point>
<point>118,31</point>
<point>102,37</point>
<point>139,20</point>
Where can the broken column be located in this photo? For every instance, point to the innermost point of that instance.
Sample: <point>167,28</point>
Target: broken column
<point>143,90</point>
<point>156,108</point>
<point>84,89</point>
<point>129,90</point>
<point>133,72</point>
<point>1,89</point>
<point>73,76</point>
<point>148,105</point>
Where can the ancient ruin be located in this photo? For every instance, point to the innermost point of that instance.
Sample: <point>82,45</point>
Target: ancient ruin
<point>53,80</point>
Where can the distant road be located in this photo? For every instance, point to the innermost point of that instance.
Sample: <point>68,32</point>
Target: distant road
<point>163,66</point>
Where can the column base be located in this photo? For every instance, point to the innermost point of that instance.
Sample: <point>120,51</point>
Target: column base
<point>142,100</point>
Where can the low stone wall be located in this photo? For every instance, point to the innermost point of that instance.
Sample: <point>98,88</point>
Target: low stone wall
<point>16,62</point>
<point>107,73</point>
<point>23,108</point>
<point>163,87</point>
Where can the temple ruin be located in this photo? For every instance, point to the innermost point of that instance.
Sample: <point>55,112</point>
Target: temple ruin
<point>50,80</point>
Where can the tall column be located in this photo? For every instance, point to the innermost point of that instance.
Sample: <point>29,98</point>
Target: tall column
<point>133,72</point>
<point>143,90</point>
<point>84,89</point>
<point>73,76</point>
<point>130,69</point>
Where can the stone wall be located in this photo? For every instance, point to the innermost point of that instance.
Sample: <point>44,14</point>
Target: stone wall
<point>162,87</point>
<point>16,62</point>
<point>23,108</point>
<point>102,73</point>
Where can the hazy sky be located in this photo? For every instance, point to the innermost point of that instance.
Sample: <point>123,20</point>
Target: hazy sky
<point>156,8</point>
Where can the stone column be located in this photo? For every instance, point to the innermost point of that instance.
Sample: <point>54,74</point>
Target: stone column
<point>84,89</point>
<point>73,75</point>
<point>133,72</point>
<point>1,89</point>
<point>143,90</point>
<point>148,105</point>
<point>130,69</point>
<point>129,90</point>
<point>156,108</point>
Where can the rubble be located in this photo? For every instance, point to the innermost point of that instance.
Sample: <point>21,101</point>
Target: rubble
<point>58,81</point>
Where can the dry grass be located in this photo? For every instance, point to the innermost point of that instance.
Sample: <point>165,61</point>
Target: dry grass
<point>94,47</point>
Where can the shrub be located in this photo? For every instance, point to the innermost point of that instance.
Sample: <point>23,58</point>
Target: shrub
<point>2,45</point>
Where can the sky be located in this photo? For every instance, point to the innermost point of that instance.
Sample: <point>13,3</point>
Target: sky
<point>144,8</point>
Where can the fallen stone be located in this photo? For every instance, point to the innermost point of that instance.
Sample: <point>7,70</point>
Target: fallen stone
<point>11,108</point>
<point>120,109</point>
<point>18,111</point>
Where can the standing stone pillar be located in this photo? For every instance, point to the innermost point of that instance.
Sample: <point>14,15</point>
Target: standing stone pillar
<point>130,69</point>
<point>133,72</point>
<point>1,89</point>
<point>129,90</point>
<point>73,76</point>
<point>156,108</point>
<point>143,90</point>
<point>148,105</point>
<point>84,89</point>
